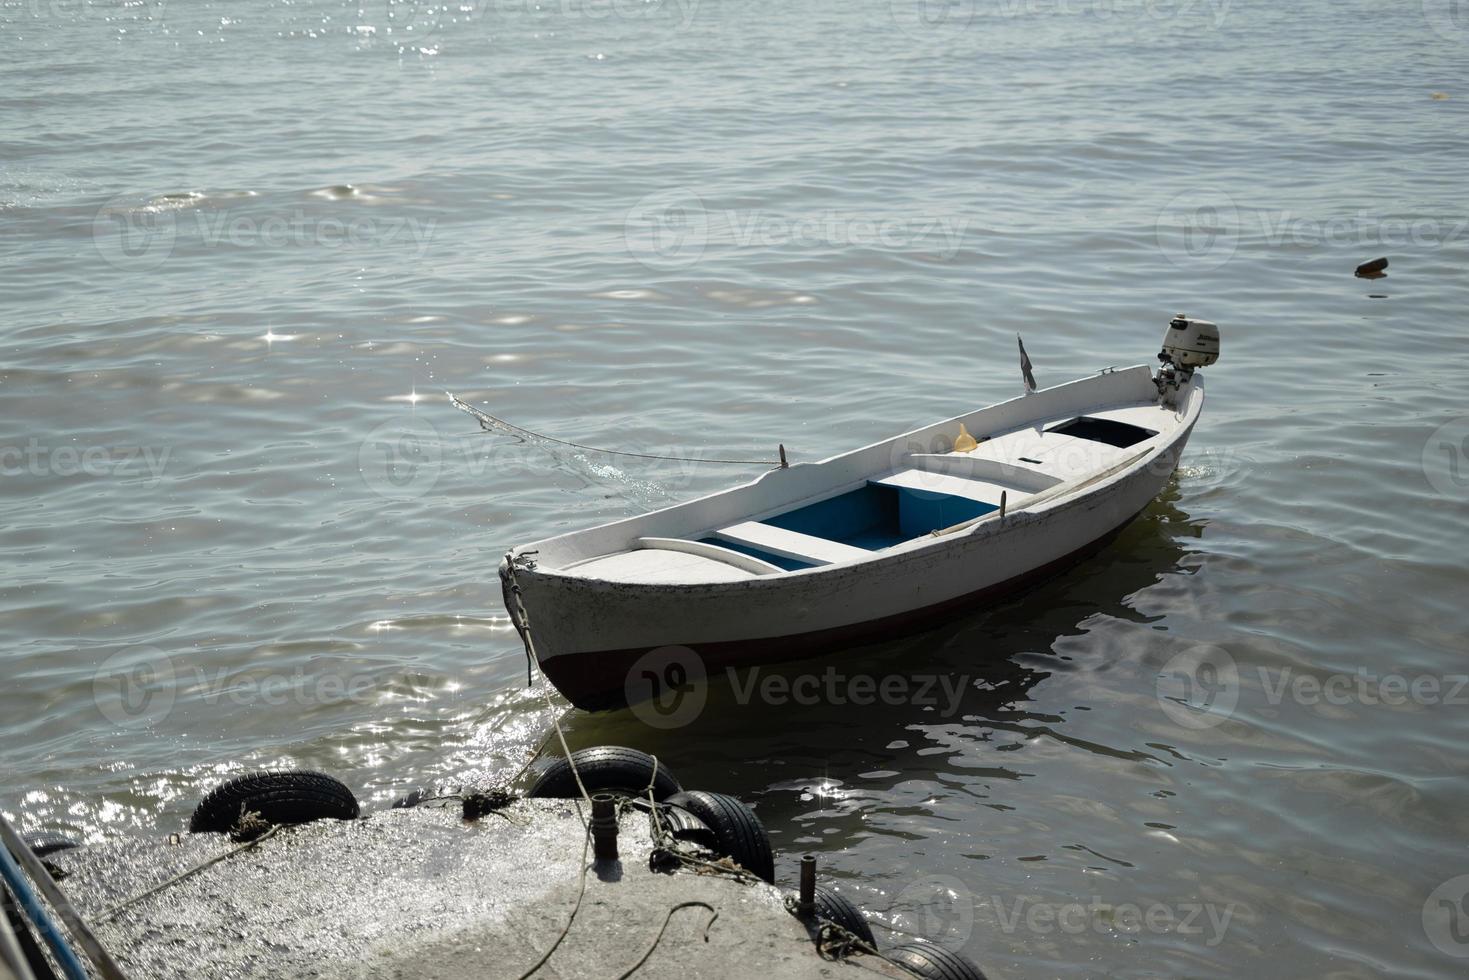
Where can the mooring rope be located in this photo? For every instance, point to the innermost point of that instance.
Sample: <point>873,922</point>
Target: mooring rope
<point>184,875</point>
<point>522,621</point>
<point>580,894</point>
<point>714,914</point>
<point>490,423</point>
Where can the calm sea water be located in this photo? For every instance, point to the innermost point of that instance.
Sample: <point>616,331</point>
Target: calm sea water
<point>247,247</point>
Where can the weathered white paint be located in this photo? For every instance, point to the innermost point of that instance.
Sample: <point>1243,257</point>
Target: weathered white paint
<point>1080,490</point>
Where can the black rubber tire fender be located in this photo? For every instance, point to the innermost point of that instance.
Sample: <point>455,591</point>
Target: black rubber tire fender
<point>45,842</point>
<point>291,796</point>
<point>606,769</point>
<point>829,906</point>
<point>933,962</point>
<point>738,834</point>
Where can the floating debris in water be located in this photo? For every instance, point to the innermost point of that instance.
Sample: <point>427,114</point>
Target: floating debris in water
<point>1373,269</point>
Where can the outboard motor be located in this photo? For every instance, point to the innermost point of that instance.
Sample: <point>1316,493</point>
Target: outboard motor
<point>1187,344</point>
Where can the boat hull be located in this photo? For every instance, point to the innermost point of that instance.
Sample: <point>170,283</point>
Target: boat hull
<point>597,639</point>
<point>601,680</point>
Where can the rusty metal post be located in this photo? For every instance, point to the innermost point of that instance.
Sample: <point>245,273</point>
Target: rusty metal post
<point>604,827</point>
<point>806,900</point>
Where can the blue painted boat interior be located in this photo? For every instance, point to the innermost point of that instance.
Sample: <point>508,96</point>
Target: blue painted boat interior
<point>873,516</point>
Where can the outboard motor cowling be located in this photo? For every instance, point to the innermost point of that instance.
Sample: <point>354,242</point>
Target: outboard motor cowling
<point>1188,343</point>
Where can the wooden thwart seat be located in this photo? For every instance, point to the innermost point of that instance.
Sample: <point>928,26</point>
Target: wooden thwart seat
<point>714,552</point>
<point>952,486</point>
<point>790,544</point>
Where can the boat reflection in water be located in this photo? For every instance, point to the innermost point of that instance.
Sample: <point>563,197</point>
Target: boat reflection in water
<point>952,699</point>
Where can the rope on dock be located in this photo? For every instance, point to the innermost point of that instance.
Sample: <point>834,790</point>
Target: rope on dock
<point>490,423</point>
<point>714,914</point>
<point>130,902</point>
<point>521,619</point>
<point>580,894</point>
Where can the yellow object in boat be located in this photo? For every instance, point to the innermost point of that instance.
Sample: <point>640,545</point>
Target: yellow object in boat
<point>965,443</point>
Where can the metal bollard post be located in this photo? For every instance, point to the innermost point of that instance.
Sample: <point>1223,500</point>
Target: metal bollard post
<point>806,900</point>
<point>604,827</point>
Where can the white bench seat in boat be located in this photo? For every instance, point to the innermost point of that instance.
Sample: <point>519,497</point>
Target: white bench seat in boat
<point>706,550</point>
<point>954,486</point>
<point>650,565</point>
<point>790,544</point>
<point>1052,453</point>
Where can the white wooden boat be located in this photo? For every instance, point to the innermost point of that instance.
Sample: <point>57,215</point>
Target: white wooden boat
<point>817,557</point>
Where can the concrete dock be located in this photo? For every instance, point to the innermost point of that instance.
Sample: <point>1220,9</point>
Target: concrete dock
<point>423,893</point>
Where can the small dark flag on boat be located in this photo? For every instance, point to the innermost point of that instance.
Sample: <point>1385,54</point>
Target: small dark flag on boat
<point>1025,366</point>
